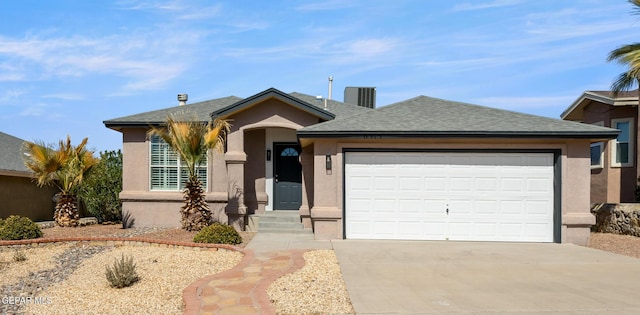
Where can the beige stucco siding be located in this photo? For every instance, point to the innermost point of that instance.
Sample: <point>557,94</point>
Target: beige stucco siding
<point>161,208</point>
<point>612,184</point>
<point>19,195</point>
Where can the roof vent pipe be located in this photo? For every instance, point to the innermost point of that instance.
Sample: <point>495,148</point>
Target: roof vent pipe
<point>330,86</point>
<point>182,99</point>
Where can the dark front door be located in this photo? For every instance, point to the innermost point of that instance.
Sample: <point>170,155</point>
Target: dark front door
<point>287,177</point>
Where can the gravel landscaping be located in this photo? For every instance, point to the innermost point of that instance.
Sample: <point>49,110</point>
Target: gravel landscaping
<point>70,279</point>
<point>317,288</point>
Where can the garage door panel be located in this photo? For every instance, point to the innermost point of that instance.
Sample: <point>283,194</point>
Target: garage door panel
<point>409,183</point>
<point>435,184</point>
<point>411,207</point>
<point>490,196</point>
<point>384,183</point>
<point>539,184</point>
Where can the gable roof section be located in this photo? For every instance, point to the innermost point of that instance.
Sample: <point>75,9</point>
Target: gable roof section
<point>11,154</point>
<point>228,105</point>
<point>277,94</point>
<point>574,111</point>
<point>201,110</point>
<point>339,109</point>
<point>431,117</point>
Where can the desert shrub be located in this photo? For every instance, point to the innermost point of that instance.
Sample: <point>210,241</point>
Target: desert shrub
<point>127,220</point>
<point>123,273</point>
<point>218,233</point>
<point>101,188</point>
<point>19,255</point>
<point>16,227</point>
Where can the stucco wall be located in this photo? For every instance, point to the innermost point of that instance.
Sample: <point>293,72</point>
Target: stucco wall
<point>20,196</point>
<point>162,208</point>
<point>254,175</point>
<point>612,184</point>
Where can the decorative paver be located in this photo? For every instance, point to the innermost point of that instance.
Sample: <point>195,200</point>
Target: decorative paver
<point>242,289</point>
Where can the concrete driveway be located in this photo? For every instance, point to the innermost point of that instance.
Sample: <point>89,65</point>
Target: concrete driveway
<point>414,277</point>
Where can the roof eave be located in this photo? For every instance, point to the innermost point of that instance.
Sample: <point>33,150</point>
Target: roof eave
<point>272,93</point>
<point>449,134</point>
<point>588,95</point>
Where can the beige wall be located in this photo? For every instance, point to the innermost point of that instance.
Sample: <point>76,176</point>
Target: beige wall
<point>576,219</point>
<point>162,208</point>
<point>612,184</point>
<point>254,175</point>
<point>20,196</point>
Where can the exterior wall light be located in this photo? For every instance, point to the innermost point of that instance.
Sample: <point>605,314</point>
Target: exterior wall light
<point>268,155</point>
<point>328,161</point>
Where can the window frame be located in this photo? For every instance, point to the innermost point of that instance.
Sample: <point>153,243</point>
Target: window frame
<point>601,158</point>
<point>614,143</point>
<point>599,144</point>
<point>181,168</point>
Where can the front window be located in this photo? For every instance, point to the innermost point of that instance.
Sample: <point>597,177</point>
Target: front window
<point>596,155</point>
<point>167,171</point>
<point>622,150</point>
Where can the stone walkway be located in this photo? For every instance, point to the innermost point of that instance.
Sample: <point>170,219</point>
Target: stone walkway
<point>243,289</point>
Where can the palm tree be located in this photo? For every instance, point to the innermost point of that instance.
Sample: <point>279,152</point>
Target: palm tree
<point>192,139</point>
<point>63,167</point>
<point>628,55</point>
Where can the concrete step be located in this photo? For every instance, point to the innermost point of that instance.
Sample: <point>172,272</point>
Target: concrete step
<point>277,222</point>
<point>275,218</point>
<point>285,231</point>
<point>280,225</point>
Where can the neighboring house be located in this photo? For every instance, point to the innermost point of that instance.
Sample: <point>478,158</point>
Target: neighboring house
<point>19,195</point>
<point>614,163</point>
<point>423,169</point>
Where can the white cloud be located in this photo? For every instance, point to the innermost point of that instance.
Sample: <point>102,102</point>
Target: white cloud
<point>65,96</point>
<point>148,61</point>
<point>468,6</point>
<point>10,96</point>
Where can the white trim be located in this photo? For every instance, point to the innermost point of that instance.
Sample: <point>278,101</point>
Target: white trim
<point>614,143</point>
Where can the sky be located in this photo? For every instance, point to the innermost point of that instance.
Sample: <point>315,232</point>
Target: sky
<point>68,65</point>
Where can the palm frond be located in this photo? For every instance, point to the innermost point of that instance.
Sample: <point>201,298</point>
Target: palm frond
<point>63,166</point>
<point>623,83</point>
<point>190,138</point>
<point>636,4</point>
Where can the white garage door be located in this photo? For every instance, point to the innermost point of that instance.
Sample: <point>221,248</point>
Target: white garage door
<point>449,196</point>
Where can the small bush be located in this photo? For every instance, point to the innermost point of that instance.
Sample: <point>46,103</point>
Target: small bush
<point>18,228</point>
<point>19,255</point>
<point>123,273</point>
<point>101,188</point>
<point>218,234</point>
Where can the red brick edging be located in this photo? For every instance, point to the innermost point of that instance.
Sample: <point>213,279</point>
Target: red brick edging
<point>118,241</point>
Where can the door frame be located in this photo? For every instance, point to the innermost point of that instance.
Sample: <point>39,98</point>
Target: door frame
<point>557,178</point>
<point>274,145</point>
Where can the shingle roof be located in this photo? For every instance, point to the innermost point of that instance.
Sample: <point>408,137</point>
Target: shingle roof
<point>277,94</point>
<point>339,109</point>
<point>622,94</point>
<point>11,153</point>
<point>202,110</point>
<point>424,116</point>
